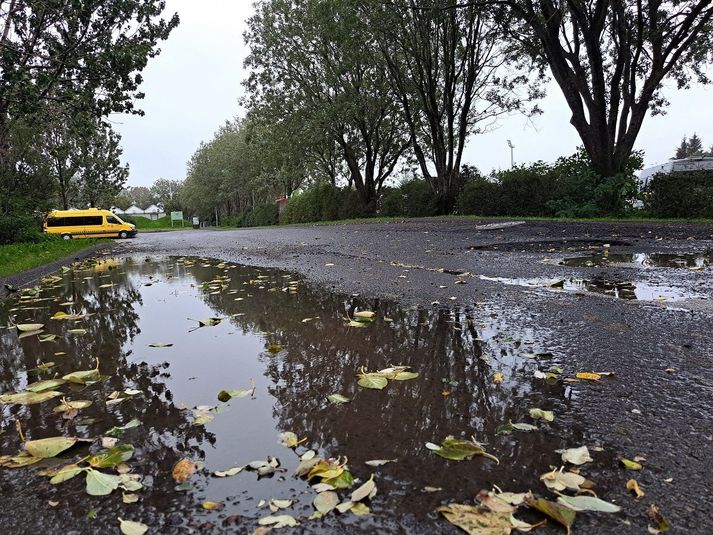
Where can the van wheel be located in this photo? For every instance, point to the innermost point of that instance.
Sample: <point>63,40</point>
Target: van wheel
<point>66,236</point>
<point>123,235</point>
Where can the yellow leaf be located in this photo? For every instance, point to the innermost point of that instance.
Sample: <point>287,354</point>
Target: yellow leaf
<point>212,506</point>
<point>183,470</point>
<point>630,465</point>
<point>498,378</point>
<point>589,376</point>
<point>633,486</point>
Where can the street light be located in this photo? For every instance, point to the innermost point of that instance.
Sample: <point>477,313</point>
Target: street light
<point>512,158</point>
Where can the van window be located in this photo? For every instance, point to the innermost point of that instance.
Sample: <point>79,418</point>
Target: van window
<point>112,220</point>
<point>93,220</point>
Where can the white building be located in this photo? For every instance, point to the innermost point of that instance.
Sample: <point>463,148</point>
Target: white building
<point>152,212</point>
<point>696,163</point>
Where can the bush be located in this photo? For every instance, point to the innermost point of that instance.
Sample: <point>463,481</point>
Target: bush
<point>418,199</point>
<point>391,202</point>
<point>481,197</point>
<point>323,202</point>
<point>681,194</point>
<point>232,221</point>
<point>262,216</point>
<point>16,228</point>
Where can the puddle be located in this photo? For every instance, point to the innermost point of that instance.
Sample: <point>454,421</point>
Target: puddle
<point>636,290</point>
<point>691,260</point>
<point>549,246</point>
<point>295,363</point>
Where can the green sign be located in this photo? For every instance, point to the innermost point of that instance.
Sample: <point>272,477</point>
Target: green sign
<point>176,216</point>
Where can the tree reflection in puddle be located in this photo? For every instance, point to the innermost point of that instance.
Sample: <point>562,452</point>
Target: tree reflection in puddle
<point>138,302</point>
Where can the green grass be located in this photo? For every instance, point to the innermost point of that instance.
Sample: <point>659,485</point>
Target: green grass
<point>164,223</point>
<point>18,257</point>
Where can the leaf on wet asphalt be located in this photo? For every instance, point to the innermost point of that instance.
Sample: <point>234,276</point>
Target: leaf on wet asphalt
<point>633,486</point>
<point>588,503</point>
<point>509,427</point>
<point>380,462</point>
<point>276,505</point>
<point>576,456</point>
<point>326,469</point>
<point>29,327</point>
<point>367,490</point>
<point>588,376</point>
<point>539,414</point>
<point>28,398</point>
<point>212,506</point>
<point>456,449</point>
<point>65,473</point>
<point>353,323</point>
<point>630,465</point>
<point>45,448</point>
<point>498,378</point>
<point>494,503</point>
<point>279,521</point>
<point>556,512</point>
<point>476,520</point>
<point>101,484</point>
<point>129,527</point>
<point>229,472</point>
<point>324,502</point>
<point>337,399</point>
<point>160,345</point>
<point>112,457</point>
<point>364,315</point>
<point>519,525</point>
<point>183,470</point>
<point>48,337</point>
<point>404,376</point>
<point>345,480</point>
<point>376,382</point>
<point>67,405</point>
<point>559,480</point>
<point>360,509</point>
<point>344,506</point>
<point>117,432</point>
<point>128,497</point>
<point>662,525</point>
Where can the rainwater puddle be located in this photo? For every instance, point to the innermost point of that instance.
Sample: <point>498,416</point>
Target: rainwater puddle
<point>290,345</point>
<point>635,290</point>
<point>690,261</point>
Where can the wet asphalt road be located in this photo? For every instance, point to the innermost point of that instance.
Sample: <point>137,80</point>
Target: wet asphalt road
<point>659,403</point>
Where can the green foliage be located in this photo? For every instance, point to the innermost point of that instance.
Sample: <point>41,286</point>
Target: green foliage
<point>418,199</point>
<point>19,257</point>
<point>261,216</point>
<point>322,202</point>
<point>682,194</point>
<point>144,223</point>
<point>19,227</point>
<point>481,197</point>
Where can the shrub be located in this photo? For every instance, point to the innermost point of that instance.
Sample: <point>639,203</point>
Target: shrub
<point>681,194</point>
<point>322,202</point>
<point>481,197</point>
<point>418,199</point>
<point>391,202</point>
<point>232,221</point>
<point>261,216</point>
<point>16,228</point>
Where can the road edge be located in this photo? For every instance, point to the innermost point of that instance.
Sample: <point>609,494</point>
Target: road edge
<point>26,278</point>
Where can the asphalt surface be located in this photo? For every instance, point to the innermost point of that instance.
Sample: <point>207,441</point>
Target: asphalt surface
<point>659,403</point>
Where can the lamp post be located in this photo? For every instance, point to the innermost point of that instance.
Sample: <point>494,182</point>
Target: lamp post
<point>512,157</point>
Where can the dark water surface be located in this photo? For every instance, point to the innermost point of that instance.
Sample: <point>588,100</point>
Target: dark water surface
<point>135,302</point>
<point>668,260</point>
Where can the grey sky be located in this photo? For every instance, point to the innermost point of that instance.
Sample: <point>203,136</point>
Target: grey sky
<point>194,86</point>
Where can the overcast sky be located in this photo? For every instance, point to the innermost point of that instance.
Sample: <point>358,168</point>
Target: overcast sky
<point>194,85</point>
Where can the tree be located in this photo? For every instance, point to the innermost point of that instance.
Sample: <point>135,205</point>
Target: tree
<point>695,146</point>
<point>454,76</point>
<point>101,174</point>
<point>682,150</point>
<point>83,57</point>
<point>316,60</point>
<point>610,59</point>
<point>141,196</point>
<point>167,193</point>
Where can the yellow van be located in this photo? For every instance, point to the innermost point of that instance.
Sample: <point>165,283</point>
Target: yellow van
<point>89,223</point>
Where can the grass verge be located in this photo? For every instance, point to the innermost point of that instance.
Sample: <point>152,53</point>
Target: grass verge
<point>18,257</point>
<point>145,224</point>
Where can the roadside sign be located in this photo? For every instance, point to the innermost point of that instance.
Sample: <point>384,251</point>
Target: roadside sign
<point>196,222</point>
<point>176,216</point>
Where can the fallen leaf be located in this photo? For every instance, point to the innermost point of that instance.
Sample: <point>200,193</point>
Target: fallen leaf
<point>65,473</point>
<point>119,431</point>
<point>47,384</point>
<point>29,327</point>
<point>160,345</point>
<point>376,382</point>
<point>380,462</point>
<point>588,503</point>
<point>229,472</point>
<point>368,489</point>
<point>576,456</point>
<point>559,480</point>
<point>662,525</point>
<point>279,521</point>
<point>630,465</point>
<point>589,376</point>
<point>45,448</point>
<point>476,520</point>
<point>556,512</point>
<point>28,398</point>
<point>276,505</point>
<point>212,506</point>
<point>72,405</point>
<point>498,378</point>
<point>324,502</point>
<point>290,440</point>
<point>539,414</point>
<point>112,457</point>
<point>456,449</point>
<point>183,470</point>
<point>509,427</point>
<point>227,395</point>
<point>633,486</point>
<point>84,377</point>
<point>338,399</point>
<point>129,527</point>
<point>128,497</point>
<point>101,484</point>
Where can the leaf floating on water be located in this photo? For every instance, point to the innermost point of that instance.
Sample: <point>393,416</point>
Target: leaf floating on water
<point>539,414</point>
<point>662,525</point>
<point>212,506</point>
<point>47,384</point>
<point>279,521</point>
<point>380,462</point>
<point>354,323</point>
<point>208,322</point>
<point>227,395</point>
<point>337,399</point>
<point>290,440</point>
<point>183,470</point>
<point>117,432</point>
<point>633,486</point>
<point>75,405</point>
<point>29,327</point>
<point>576,456</point>
<point>112,457</point>
<point>45,448</point>
<point>84,377</point>
<point>274,348</point>
<point>324,502</point>
<point>556,512</point>
<point>160,345</point>
<point>630,465</point>
<point>588,503</point>
<point>28,398</point>
<point>101,484</point>
<point>498,378</point>
<point>456,449</point>
<point>129,527</point>
<point>376,382</point>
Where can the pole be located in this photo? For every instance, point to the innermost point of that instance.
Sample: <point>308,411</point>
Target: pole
<point>216,216</point>
<point>512,155</point>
